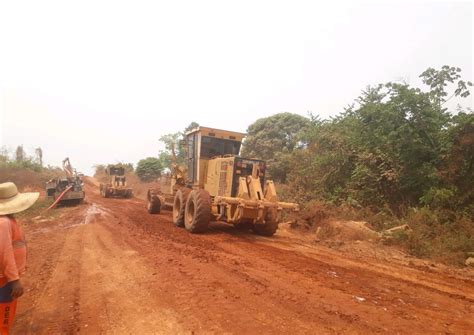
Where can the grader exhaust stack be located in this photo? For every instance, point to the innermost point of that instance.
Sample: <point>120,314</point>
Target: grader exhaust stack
<point>221,186</point>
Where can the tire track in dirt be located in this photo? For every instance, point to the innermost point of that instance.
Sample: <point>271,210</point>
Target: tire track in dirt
<point>126,271</point>
<point>397,299</point>
<point>56,292</point>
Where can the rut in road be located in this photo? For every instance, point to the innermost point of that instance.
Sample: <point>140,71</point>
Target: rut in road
<point>126,271</point>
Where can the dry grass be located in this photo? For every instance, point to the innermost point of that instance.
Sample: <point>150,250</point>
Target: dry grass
<point>26,179</point>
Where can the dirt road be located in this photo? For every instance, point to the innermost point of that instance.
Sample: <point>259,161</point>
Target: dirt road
<point>108,267</point>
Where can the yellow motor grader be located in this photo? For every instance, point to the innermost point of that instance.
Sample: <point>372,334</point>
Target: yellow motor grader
<point>116,186</point>
<point>218,185</point>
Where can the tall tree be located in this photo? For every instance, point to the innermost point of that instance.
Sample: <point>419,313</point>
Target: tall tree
<point>174,147</point>
<point>20,154</point>
<point>149,169</point>
<point>390,147</point>
<point>273,139</point>
<point>39,156</point>
<point>3,154</point>
<point>438,80</point>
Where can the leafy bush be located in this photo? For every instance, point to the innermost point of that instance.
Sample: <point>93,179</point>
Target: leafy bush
<point>149,169</point>
<point>441,234</point>
<point>397,156</point>
<point>273,139</point>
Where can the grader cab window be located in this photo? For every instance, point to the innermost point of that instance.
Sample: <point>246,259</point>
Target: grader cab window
<point>116,171</point>
<point>211,146</point>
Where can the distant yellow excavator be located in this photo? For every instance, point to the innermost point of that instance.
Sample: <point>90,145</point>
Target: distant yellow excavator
<point>67,190</point>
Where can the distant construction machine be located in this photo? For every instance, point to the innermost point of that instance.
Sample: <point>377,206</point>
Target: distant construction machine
<point>116,186</point>
<point>218,185</point>
<point>67,190</point>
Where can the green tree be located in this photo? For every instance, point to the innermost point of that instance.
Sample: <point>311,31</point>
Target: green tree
<point>438,80</point>
<point>149,169</point>
<point>457,167</point>
<point>166,159</point>
<point>20,153</point>
<point>191,126</point>
<point>273,139</point>
<point>174,147</point>
<point>4,154</point>
<point>389,148</point>
<point>39,156</point>
<point>99,170</point>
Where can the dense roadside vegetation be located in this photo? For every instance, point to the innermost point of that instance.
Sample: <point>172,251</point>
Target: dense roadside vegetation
<point>28,172</point>
<point>396,155</point>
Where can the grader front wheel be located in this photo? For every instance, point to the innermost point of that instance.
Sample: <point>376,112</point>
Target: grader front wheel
<point>271,224</point>
<point>154,207</point>
<point>198,211</point>
<point>179,206</point>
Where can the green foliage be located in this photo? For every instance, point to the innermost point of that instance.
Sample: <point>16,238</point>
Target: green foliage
<point>149,169</point>
<point>441,234</point>
<point>191,126</point>
<point>457,165</point>
<point>390,149</point>
<point>438,80</point>
<point>20,154</point>
<point>26,163</point>
<point>166,159</point>
<point>174,147</point>
<point>99,170</point>
<point>274,139</point>
<point>398,156</point>
<point>4,154</point>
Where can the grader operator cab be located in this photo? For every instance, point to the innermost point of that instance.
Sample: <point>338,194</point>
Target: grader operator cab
<point>221,186</point>
<point>116,186</point>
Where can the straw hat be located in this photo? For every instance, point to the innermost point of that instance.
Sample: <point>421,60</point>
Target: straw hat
<point>11,201</point>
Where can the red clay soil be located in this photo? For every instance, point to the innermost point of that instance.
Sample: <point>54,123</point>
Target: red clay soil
<point>108,267</point>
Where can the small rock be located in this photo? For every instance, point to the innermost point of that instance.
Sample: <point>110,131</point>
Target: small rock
<point>470,261</point>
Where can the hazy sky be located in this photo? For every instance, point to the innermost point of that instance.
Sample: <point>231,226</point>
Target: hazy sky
<point>101,81</point>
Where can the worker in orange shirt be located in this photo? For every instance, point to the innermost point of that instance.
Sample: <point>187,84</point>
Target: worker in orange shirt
<point>12,251</point>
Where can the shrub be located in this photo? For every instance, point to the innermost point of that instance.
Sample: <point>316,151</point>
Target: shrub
<point>149,169</point>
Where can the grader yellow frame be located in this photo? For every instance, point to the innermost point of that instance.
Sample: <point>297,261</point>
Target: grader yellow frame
<point>116,185</point>
<point>221,186</point>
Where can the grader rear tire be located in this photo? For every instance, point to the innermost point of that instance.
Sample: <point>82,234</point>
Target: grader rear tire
<point>179,206</point>
<point>271,224</point>
<point>153,207</point>
<point>198,211</point>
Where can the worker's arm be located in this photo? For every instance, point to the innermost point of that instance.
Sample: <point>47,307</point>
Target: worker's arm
<point>7,259</point>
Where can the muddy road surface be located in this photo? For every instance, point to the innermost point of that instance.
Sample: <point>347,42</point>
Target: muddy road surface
<point>108,267</point>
